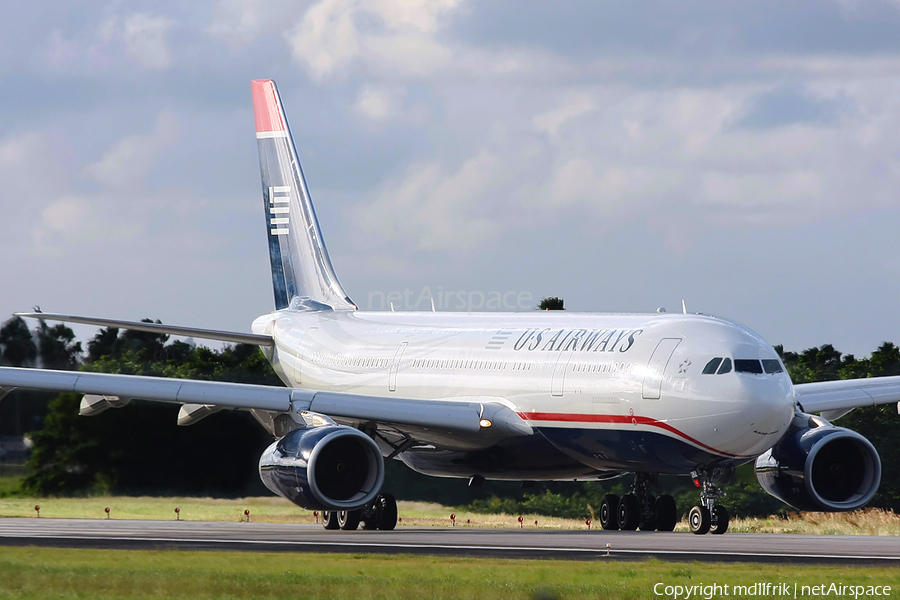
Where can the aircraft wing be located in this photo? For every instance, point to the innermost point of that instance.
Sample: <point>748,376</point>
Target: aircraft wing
<point>845,394</point>
<point>207,334</point>
<point>459,422</point>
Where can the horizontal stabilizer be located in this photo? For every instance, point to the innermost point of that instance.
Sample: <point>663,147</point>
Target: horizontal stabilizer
<point>206,334</point>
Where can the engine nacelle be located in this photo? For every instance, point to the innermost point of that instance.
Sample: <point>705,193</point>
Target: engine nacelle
<point>332,467</point>
<point>825,468</point>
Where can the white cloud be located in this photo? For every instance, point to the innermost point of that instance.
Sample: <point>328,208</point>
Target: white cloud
<point>140,37</point>
<point>403,38</point>
<point>240,22</point>
<point>573,107</point>
<point>127,161</point>
<point>605,189</point>
<point>379,103</point>
<point>144,37</point>
<point>31,171</point>
<point>435,209</point>
<point>66,220</point>
<point>15,150</point>
<point>746,192</point>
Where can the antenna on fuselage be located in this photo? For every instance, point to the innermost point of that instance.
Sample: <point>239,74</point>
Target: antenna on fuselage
<point>683,307</point>
<point>432,305</point>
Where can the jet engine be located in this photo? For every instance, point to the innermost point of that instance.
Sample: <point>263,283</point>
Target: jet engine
<point>821,468</point>
<point>332,467</point>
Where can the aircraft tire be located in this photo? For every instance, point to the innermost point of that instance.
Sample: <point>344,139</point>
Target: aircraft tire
<point>628,514</point>
<point>348,520</point>
<point>330,519</point>
<point>609,507</point>
<point>721,525</point>
<point>386,512</point>
<point>699,520</point>
<point>666,513</point>
<point>369,524</point>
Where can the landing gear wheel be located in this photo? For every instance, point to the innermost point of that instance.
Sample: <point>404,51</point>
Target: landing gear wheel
<point>330,519</point>
<point>369,524</point>
<point>720,517</point>
<point>348,520</point>
<point>609,507</point>
<point>699,520</point>
<point>385,512</point>
<point>666,513</point>
<point>628,514</point>
<point>648,523</point>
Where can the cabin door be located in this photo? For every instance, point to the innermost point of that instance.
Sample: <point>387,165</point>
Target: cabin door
<point>656,368</point>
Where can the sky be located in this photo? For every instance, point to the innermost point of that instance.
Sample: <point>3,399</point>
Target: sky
<point>624,155</point>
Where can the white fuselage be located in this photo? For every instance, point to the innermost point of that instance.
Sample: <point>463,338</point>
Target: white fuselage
<point>627,378</point>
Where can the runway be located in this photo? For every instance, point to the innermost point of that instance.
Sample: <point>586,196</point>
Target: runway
<point>458,541</point>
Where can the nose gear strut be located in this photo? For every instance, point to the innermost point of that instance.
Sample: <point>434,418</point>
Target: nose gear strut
<point>709,518</point>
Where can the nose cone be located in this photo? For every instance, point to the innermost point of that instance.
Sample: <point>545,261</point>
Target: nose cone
<point>746,407</point>
<point>766,407</point>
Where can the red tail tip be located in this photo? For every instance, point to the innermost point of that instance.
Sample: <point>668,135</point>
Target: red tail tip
<point>266,109</point>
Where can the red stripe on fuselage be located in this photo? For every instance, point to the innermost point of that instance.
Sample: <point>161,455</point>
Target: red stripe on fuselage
<point>265,106</point>
<point>621,419</point>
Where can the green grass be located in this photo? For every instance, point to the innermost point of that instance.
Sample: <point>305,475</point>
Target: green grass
<point>11,486</point>
<point>272,509</point>
<point>64,573</point>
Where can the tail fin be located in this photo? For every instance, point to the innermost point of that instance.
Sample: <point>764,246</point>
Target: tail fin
<point>301,267</point>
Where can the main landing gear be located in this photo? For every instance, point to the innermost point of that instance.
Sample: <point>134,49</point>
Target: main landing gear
<point>639,509</point>
<point>380,514</point>
<point>709,518</point>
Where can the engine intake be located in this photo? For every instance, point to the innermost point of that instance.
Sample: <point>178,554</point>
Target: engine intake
<point>326,468</point>
<point>823,468</point>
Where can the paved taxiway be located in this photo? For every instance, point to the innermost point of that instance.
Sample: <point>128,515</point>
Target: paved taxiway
<point>460,541</point>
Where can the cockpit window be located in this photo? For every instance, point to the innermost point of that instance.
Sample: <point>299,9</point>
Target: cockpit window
<point>711,366</point>
<point>772,366</point>
<point>725,368</point>
<point>748,365</point>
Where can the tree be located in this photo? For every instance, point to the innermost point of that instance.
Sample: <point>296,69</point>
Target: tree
<point>103,344</point>
<point>139,449</point>
<point>551,303</point>
<point>18,347</point>
<point>877,424</point>
<point>58,350</point>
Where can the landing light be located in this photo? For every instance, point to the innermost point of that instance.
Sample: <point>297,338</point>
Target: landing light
<point>485,423</point>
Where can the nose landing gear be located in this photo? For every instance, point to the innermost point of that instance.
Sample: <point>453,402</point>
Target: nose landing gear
<point>709,518</point>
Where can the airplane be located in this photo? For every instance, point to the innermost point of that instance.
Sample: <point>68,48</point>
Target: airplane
<point>529,396</point>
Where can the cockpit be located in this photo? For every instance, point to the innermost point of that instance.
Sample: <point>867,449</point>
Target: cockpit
<point>720,366</point>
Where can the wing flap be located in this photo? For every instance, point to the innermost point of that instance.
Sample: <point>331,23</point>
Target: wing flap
<point>847,393</point>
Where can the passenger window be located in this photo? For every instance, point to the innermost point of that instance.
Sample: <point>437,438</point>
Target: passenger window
<point>745,365</point>
<point>772,366</point>
<point>711,366</point>
<point>725,368</point>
